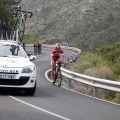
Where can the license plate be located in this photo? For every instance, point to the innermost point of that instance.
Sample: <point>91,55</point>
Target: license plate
<point>7,76</point>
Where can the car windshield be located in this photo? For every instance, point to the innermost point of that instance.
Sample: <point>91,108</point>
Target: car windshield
<point>7,50</point>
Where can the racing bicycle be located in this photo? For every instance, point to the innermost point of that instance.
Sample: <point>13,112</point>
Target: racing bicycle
<point>19,26</point>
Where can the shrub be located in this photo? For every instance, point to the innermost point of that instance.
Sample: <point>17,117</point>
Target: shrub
<point>28,39</point>
<point>103,72</point>
<point>83,65</point>
<point>89,60</point>
<point>110,96</point>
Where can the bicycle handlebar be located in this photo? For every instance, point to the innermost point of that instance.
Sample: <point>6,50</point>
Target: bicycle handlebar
<point>25,12</point>
<point>61,63</point>
<point>15,14</point>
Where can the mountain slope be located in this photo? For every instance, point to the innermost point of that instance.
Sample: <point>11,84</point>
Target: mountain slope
<point>87,24</point>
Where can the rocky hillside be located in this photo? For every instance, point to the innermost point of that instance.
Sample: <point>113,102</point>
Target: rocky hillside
<point>87,24</point>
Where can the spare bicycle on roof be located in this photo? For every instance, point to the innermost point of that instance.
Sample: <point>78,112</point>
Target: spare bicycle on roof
<point>19,26</point>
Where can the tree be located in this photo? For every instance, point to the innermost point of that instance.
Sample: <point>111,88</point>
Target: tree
<point>6,9</point>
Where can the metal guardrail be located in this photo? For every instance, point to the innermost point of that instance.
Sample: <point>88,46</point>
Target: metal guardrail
<point>92,81</point>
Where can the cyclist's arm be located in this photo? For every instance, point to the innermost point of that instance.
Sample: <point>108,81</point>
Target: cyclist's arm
<point>52,54</point>
<point>63,56</point>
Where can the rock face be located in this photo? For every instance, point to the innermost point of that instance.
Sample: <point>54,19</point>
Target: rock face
<point>71,19</point>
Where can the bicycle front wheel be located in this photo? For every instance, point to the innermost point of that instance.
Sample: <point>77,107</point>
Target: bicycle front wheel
<point>22,30</point>
<point>59,78</point>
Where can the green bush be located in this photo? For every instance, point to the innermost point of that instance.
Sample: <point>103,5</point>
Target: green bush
<point>83,65</point>
<point>89,60</point>
<point>27,39</point>
<point>6,9</point>
<point>110,96</point>
<point>103,72</point>
<point>105,65</point>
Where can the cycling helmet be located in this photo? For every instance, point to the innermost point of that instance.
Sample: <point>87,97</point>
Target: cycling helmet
<point>58,45</point>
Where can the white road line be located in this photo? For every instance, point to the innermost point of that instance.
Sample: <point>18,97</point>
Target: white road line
<point>42,59</point>
<point>40,109</point>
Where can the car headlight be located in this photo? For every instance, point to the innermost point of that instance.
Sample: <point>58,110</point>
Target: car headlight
<point>28,69</point>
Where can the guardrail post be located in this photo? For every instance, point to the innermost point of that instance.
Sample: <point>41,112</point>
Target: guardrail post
<point>69,83</point>
<point>68,59</point>
<point>96,92</point>
<point>72,58</point>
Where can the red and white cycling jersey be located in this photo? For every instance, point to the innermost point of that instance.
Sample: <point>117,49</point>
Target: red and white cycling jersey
<point>56,54</point>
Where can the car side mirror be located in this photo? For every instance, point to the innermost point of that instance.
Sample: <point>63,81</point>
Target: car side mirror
<point>31,57</point>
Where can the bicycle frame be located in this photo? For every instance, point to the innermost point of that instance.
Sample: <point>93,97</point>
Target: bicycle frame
<point>22,18</point>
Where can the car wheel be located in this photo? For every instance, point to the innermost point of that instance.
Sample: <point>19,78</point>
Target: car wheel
<point>30,91</point>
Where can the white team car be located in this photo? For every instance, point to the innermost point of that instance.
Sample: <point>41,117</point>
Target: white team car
<point>16,68</point>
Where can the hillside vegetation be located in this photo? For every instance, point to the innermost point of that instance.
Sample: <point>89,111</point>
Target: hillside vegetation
<point>87,24</point>
<point>105,64</point>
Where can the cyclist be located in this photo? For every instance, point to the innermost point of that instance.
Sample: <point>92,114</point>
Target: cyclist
<point>57,54</point>
<point>39,45</point>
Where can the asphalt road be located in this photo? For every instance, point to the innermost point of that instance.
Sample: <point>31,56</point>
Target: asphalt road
<point>53,103</point>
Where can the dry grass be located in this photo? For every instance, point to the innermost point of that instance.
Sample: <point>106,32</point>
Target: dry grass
<point>101,72</point>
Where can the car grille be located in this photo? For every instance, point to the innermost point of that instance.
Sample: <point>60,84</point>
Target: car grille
<point>20,81</point>
<point>8,73</point>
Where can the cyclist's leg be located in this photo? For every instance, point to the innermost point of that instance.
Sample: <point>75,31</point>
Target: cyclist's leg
<point>39,50</point>
<point>34,50</point>
<point>59,79</point>
<point>52,70</point>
